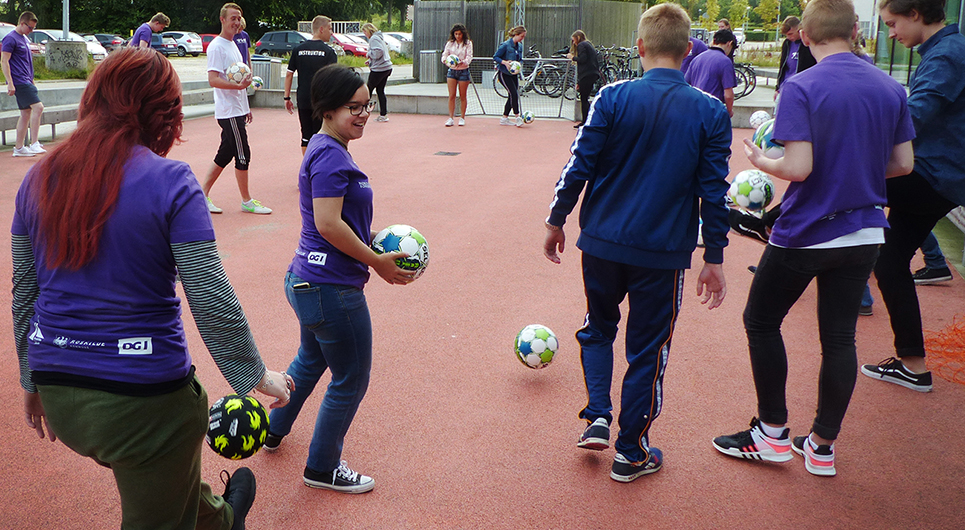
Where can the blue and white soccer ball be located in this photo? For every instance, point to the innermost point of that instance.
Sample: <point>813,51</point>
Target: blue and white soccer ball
<point>752,190</point>
<point>515,67</point>
<point>257,82</point>
<point>535,346</point>
<point>758,118</point>
<point>404,238</point>
<point>452,61</point>
<point>764,138</point>
<point>528,116</point>
<point>237,72</point>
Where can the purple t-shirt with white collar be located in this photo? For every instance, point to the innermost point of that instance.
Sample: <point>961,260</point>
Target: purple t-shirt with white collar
<point>712,72</point>
<point>329,171</point>
<point>853,114</point>
<point>120,314</point>
<point>21,62</point>
<point>143,33</point>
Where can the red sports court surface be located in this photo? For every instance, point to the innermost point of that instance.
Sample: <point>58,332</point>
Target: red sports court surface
<point>455,431</point>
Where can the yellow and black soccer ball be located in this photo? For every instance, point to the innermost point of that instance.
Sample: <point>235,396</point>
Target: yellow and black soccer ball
<point>237,426</point>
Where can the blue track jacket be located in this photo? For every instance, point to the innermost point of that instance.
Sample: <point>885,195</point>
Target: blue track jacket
<point>649,150</point>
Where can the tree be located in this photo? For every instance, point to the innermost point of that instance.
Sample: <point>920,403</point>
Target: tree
<point>738,12</point>
<point>713,9</point>
<point>767,10</point>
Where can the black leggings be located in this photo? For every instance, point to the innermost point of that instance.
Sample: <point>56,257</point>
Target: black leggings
<point>586,88</point>
<point>511,82</point>
<point>377,82</point>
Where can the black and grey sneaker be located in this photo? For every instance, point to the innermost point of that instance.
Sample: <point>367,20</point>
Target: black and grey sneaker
<point>239,493</point>
<point>271,443</point>
<point>342,479</point>
<point>755,444</point>
<point>925,276</point>
<point>892,371</point>
<point>624,470</point>
<point>596,436</point>
<point>747,225</point>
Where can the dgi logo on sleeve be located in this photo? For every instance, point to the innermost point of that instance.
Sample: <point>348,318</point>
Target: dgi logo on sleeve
<point>135,346</point>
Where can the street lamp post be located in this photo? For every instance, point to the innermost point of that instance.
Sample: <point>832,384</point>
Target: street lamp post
<point>777,29</point>
<point>746,13</point>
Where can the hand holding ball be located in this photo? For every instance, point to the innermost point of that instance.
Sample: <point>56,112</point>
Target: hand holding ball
<point>404,238</point>
<point>237,73</point>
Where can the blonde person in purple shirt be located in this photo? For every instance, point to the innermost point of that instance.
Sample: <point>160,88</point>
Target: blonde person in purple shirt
<point>460,45</point>
<point>326,278</point>
<point>18,69</point>
<point>142,37</point>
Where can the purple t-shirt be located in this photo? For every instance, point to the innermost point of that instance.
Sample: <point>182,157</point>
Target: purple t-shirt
<point>119,317</point>
<point>329,171</point>
<point>853,114</point>
<point>243,41</point>
<point>143,33</point>
<point>712,72</point>
<point>698,48</point>
<point>21,62</point>
<point>792,53</point>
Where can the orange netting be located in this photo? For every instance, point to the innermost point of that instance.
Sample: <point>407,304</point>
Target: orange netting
<point>946,351</point>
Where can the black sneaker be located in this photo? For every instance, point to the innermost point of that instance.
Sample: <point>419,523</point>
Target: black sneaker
<point>818,461</point>
<point>624,470</point>
<point>754,444</point>
<point>239,493</point>
<point>341,479</point>
<point>272,442</point>
<point>892,371</point>
<point>752,269</point>
<point>865,311</point>
<point>596,436</point>
<point>925,276</point>
<point>747,225</point>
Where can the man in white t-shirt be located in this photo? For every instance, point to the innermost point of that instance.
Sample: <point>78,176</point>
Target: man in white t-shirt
<point>231,110</point>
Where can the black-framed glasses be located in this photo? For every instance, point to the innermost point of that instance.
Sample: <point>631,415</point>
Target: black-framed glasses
<point>356,109</point>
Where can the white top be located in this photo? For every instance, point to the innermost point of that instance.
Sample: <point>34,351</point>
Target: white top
<point>228,103</point>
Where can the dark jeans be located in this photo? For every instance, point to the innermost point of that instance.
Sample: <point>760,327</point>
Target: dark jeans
<point>915,208</point>
<point>377,82</point>
<point>586,88</point>
<point>654,305</point>
<point>782,276</point>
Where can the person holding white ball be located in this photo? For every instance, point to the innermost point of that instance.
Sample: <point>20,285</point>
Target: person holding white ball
<point>509,52</point>
<point>460,46</point>
<point>327,277</point>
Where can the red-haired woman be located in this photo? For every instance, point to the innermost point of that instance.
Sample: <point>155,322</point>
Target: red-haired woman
<point>101,227</point>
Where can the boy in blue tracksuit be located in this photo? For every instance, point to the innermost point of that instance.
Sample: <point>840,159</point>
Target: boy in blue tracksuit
<point>653,156</point>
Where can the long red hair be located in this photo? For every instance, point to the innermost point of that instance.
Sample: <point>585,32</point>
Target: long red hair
<point>132,98</point>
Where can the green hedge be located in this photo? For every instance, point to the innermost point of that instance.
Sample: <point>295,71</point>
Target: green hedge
<point>759,35</point>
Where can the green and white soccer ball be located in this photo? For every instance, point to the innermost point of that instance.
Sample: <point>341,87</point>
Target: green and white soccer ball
<point>528,116</point>
<point>515,67</point>
<point>237,72</point>
<point>404,238</point>
<point>764,138</point>
<point>752,190</point>
<point>452,61</point>
<point>535,346</point>
<point>237,426</point>
<point>257,82</point>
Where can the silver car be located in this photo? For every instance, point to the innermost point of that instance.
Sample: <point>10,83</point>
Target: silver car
<point>188,42</point>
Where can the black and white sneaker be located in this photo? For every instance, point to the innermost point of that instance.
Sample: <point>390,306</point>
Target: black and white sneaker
<point>271,443</point>
<point>747,225</point>
<point>925,276</point>
<point>239,493</point>
<point>624,470</point>
<point>596,436</point>
<point>755,444</point>
<point>342,479</point>
<point>893,371</point>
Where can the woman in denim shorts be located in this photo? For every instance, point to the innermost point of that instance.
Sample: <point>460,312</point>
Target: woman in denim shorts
<point>460,46</point>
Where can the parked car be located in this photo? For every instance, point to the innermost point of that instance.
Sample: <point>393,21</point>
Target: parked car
<point>165,45</point>
<point>350,45</point>
<point>41,36</point>
<point>188,42</point>
<point>404,37</point>
<point>739,33</point>
<point>35,47</point>
<point>109,42</point>
<point>206,39</point>
<point>280,42</point>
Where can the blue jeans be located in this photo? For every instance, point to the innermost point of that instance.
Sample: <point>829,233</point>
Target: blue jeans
<point>336,334</point>
<point>934,259</point>
<point>782,276</point>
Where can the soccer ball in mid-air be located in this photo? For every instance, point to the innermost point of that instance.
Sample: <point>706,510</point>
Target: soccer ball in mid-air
<point>752,190</point>
<point>257,82</point>
<point>404,238</point>
<point>758,118</point>
<point>237,72</point>
<point>764,138</point>
<point>527,116</point>
<point>452,61</point>
<point>536,345</point>
<point>237,426</point>
<point>515,67</point>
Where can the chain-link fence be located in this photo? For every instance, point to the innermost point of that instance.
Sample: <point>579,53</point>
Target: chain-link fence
<point>547,88</point>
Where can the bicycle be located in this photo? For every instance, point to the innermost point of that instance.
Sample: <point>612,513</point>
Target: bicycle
<point>746,79</point>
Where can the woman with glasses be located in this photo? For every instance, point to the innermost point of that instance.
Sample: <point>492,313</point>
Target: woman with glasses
<point>327,275</point>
